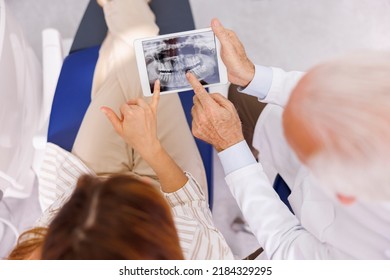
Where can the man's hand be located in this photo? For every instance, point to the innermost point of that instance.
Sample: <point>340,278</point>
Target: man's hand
<point>240,69</point>
<point>138,123</point>
<point>214,118</point>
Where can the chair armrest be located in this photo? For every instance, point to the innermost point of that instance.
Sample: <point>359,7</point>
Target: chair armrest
<point>52,58</point>
<point>52,63</point>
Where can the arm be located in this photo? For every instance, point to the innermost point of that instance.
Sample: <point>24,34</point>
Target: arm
<point>138,127</point>
<point>276,228</point>
<point>171,176</point>
<point>269,85</point>
<point>272,85</point>
<point>198,236</point>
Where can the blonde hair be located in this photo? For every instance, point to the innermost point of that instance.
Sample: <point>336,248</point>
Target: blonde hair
<point>346,105</point>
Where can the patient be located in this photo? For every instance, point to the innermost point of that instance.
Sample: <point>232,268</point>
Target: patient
<point>116,80</point>
<point>126,218</point>
<point>105,152</point>
<point>123,217</point>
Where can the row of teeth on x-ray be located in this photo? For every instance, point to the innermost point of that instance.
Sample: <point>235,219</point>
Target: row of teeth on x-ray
<point>174,77</point>
<point>172,70</point>
<point>178,63</point>
<point>191,43</point>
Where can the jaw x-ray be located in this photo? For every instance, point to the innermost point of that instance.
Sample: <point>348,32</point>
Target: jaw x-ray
<point>169,59</point>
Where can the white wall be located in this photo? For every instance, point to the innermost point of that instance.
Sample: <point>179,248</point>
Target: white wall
<point>295,34</point>
<point>36,15</point>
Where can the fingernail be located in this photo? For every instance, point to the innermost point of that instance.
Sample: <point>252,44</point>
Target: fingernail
<point>104,110</point>
<point>216,22</point>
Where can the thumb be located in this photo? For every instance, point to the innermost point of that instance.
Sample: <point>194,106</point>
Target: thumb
<point>113,118</point>
<point>220,31</point>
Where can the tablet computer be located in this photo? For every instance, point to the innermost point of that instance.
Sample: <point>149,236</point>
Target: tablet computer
<point>168,58</point>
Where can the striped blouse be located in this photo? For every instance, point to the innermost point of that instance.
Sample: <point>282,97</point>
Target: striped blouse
<point>199,238</point>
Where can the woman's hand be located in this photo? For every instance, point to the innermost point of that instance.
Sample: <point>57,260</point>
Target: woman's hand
<point>138,123</point>
<point>138,127</point>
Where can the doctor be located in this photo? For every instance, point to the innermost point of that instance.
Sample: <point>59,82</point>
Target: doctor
<point>330,121</point>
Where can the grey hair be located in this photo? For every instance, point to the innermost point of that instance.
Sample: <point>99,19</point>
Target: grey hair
<point>347,107</point>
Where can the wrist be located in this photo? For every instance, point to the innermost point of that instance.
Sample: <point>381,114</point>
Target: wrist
<point>228,144</point>
<point>150,152</point>
<point>250,74</point>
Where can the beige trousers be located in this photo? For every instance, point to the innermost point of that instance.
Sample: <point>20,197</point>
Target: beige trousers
<point>116,80</point>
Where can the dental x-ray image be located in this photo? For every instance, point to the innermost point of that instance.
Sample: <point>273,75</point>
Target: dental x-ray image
<point>169,59</point>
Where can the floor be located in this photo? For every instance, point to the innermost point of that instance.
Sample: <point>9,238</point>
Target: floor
<point>292,34</point>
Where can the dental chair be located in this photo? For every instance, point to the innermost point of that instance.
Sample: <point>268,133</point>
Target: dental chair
<point>72,94</point>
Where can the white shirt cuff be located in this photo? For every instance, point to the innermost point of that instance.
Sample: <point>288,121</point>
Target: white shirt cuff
<point>236,157</point>
<point>261,83</point>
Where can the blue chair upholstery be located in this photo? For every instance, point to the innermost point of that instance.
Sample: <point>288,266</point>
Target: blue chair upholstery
<point>72,97</point>
<point>73,90</point>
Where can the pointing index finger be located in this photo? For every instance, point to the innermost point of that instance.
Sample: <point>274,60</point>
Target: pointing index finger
<point>156,96</point>
<point>199,90</point>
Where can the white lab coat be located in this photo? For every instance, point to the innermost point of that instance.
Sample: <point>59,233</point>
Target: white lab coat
<point>322,228</point>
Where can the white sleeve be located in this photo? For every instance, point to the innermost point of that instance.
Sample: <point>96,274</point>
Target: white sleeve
<point>199,238</point>
<point>282,85</point>
<point>260,84</point>
<point>275,227</point>
<point>272,85</point>
<point>236,157</point>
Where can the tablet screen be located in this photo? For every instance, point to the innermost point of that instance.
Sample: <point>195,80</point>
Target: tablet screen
<point>168,59</point>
